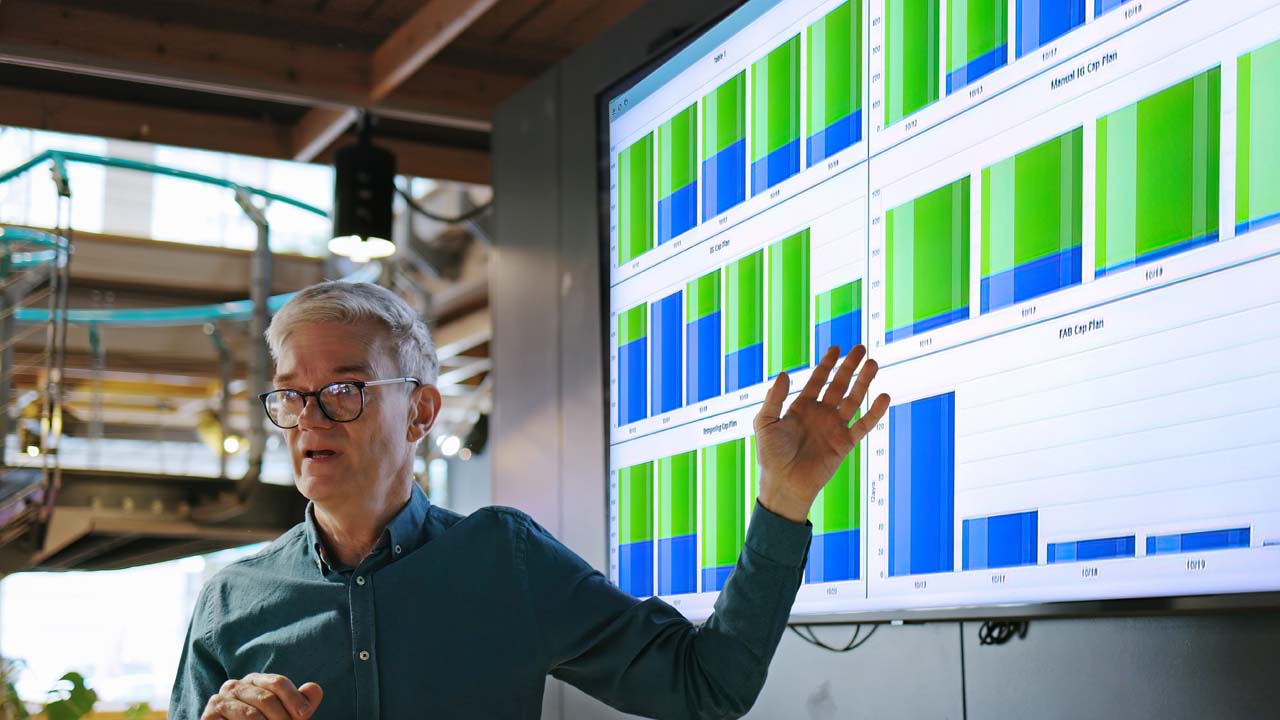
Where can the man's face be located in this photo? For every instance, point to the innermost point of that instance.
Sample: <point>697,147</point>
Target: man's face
<point>354,461</point>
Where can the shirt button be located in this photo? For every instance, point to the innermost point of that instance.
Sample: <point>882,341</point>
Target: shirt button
<point>359,579</point>
<point>364,654</point>
<point>399,549</point>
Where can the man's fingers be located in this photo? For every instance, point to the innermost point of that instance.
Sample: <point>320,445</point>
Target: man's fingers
<point>858,393</point>
<point>874,415</point>
<point>290,698</point>
<point>224,707</point>
<point>771,410</point>
<point>313,693</point>
<point>820,374</point>
<point>844,373</point>
<point>265,701</point>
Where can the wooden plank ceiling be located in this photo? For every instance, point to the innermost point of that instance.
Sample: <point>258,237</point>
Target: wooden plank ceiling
<point>286,78</point>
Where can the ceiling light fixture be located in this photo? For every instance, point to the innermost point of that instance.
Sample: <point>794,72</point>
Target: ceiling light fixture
<point>363,188</point>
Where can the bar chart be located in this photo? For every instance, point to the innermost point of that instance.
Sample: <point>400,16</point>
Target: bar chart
<point>922,486</point>
<point>912,39</point>
<point>633,333</point>
<point>788,319</point>
<point>677,524</point>
<point>1093,549</point>
<point>1258,139</point>
<point>1157,185</point>
<point>1040,22</point>
<point>666,350</point>
<point>724,147</point>
<point>723,473</point>
<point>977,40</point>
<point>1032,222</point>
<point>744,322</point>
<point>1198,541</point>
<point>834,90</point>
<point>775,116</point>
<point>678,174</point>
<point>635,529</point>
<point>838,318</point>
<point>1000,541</point>
<point>635,200</point>
<point>835,553</point>
<point>702,335</point>
<point>927,262</point>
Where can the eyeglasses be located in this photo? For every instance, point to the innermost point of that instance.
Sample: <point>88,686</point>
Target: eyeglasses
<point>340,402</point>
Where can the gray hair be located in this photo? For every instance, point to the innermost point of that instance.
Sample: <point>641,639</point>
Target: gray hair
<point>351,303</point>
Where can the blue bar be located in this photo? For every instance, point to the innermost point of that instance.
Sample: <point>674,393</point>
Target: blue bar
<point>677,565</point>
<point>1160,254</point>
<point>724,179</point>
<point>1198,541</point>
<point>843,331</point>
<point>924,326</point>
<point>667,351</point>
<point>1001,540</point>
<point>1099,549</point>
<point>775,167</point>
<point>635,568</point>
<point>1258,223</point>
<point>922,486</point>
<point>704,357</point>
<point>834,556</point>
<point>1040,22</point>
<point>631,379</point>
<point>833,138</point>
<point>677,212</point>
<point>1102,6</point>
<point>714,578</point>
<point>1033,279</point>
<point>977,68</point>
<point>744,368</point>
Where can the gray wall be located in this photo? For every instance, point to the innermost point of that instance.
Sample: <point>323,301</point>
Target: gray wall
<point>548,459</point>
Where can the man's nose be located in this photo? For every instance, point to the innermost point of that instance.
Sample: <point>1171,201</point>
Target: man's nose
<point>312,416</point>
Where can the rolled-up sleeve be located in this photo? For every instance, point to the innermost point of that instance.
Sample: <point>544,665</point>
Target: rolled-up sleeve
<point>645,657</point>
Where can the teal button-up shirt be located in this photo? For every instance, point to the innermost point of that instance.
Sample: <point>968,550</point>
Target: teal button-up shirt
<point>455,616</point>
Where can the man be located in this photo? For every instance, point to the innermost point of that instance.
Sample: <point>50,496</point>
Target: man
<point>381,605</point>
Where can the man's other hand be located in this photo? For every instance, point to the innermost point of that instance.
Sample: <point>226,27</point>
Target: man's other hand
<point>260,696</point>
<point>800,452</point>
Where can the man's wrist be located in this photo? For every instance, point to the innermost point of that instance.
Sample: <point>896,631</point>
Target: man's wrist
<point>784,504</point>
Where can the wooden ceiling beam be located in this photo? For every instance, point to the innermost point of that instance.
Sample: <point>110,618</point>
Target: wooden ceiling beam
<point>403,54</point>
<point>207,131</point>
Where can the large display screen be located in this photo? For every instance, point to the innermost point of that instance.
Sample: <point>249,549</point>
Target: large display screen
<point>1055,224</point>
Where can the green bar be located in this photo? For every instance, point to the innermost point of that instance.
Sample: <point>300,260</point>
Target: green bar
<point>677,140</point>
<point>838,505</point>
<point>839,301</point>
<point>635,503</point>
<point>677,495</point>
<point>635,200</point>
<point>927,256</point>
<point>835,66</point>
<point>744,291</point>
<point>702,296</point>
<point>789,303</point>
<point>975,28</point>
<point>633,325</point>
<point>1158,171</point>
<point>724,115</point>
<point>753,476</point>
<point>1258,135</point>
<point>723,491</point>
<point>1031,203</point>
<point>911,67</point>
<point>775,87</point>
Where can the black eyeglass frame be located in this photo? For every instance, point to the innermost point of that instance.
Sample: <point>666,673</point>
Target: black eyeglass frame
<point>358,384</point>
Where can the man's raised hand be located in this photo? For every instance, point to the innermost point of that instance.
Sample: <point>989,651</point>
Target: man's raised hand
<point>263,695</point>
<point>800,452</point>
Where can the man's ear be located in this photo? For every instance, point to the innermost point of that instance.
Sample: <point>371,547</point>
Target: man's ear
<point>424,408</point>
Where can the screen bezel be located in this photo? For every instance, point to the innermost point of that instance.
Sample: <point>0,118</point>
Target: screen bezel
<point>1241,602</point>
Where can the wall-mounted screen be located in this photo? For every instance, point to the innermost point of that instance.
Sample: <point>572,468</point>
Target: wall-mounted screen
<point>1055,224</point>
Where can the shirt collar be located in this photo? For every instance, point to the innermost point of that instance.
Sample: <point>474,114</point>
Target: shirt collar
<point>404,533</point>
